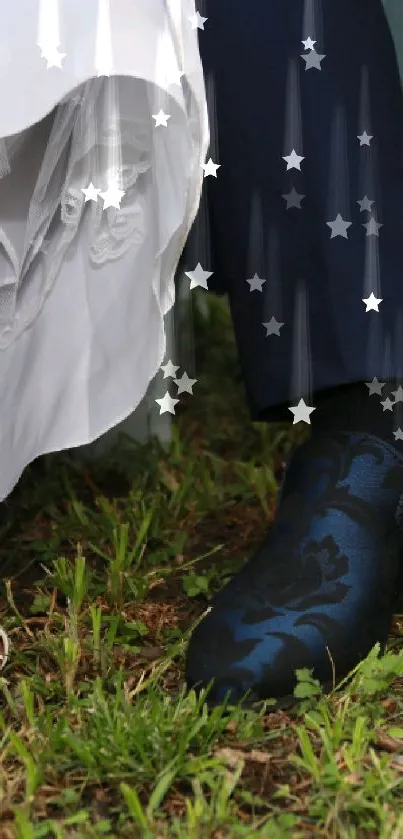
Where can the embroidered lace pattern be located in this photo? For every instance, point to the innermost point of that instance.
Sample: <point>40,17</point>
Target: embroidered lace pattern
<point>81,149</point>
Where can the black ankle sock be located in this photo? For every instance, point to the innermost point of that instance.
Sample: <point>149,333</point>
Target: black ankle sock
<point>358,407</point>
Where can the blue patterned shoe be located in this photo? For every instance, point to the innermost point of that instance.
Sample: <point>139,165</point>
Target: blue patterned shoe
<point>326,578</point>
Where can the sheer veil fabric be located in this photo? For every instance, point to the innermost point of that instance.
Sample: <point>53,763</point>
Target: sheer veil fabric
<point>84,286</point>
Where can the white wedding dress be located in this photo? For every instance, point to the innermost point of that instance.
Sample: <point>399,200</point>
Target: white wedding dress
<point>84,286</point>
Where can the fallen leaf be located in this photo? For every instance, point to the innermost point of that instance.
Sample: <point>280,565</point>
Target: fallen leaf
<point>233,756</point>
<point>389,744</point>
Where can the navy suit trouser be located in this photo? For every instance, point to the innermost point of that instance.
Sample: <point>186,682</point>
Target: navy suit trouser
<point>266,101</point>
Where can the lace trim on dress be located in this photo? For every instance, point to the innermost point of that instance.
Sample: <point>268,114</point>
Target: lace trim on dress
<point>104,132</point>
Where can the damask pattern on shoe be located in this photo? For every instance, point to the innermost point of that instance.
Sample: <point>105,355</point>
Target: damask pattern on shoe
<point>321,590</point>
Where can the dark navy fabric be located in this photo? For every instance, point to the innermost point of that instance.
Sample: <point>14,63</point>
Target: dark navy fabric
<point>246,47</point>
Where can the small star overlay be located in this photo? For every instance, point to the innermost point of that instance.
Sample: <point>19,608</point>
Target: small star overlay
<point>256,284</point>
<point>302,412</point>
<point>293,160</point>
<point>273,327</point>
<point>161,118</point>
<point>197,21</point>
<point>308,44</point>
<point>293,199</point>
<point>365,139</point>
<point>365,204</point>
<point>386,402</point>
<point>313,60</point>
<point>339,227</point>
<point>372,302</point>
<point>184,384</point>
<point>198,277</point>
<point>210,168</point>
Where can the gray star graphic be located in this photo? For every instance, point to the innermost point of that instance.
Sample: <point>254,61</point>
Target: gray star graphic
<point>185,384</point>
<point>312,60</point>
<point>375,387</point>
<point>387,404</point>
<point>256,283</point>
<point>302,412</point>
<point>339,227</point>
<point>365,204</point>
<point>365,138</point>
<point>169,369</point>
<point>273,327</point>
<point>293,199</point>
<point>372,227</point>
<point>398,394</point>
<point>398,435</point>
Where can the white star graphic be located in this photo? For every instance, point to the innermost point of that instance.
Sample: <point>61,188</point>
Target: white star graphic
<point>167,404</point>
<point>169,369</point>
<point>185,384</point>
<point>308,44</point>
<point>53,57</point>
<point>161,118</point>
<point>91,194</point>
<point>273,327</point>
<point>375,387</point>
<point>372,302</point>
<point>198,277</point>
<point>112,197</point>
<point>293,160</point>
<point>387,405</point>
<point>210,168</point>
<point>198,21</point>
<point>256,283</point>
<point>398,435</point>
<point>339,227</point>
<point>302,412</point>
<point>365,139</point>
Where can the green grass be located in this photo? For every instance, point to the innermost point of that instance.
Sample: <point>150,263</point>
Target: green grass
<point>106,570</point>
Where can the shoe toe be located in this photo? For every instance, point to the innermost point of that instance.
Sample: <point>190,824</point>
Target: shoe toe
<point>320,591</point>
